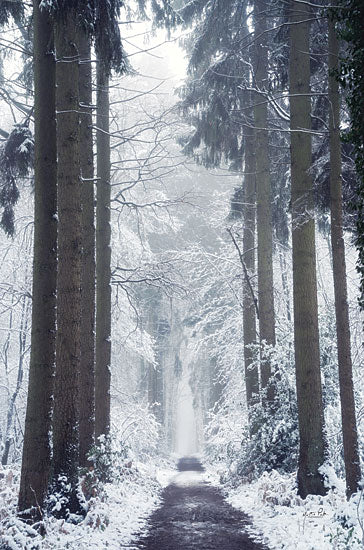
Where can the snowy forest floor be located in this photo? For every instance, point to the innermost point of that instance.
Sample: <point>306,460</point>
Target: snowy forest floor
<point>291,523</point>
<point>114,516</point>
<point>152,506</point>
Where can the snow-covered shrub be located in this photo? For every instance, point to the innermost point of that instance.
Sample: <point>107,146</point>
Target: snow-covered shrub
<point>277,489</point>
<point>112,519</point>
<point>135,430</point>
<point>290,523</point>
<point>134,437</point>
<point>275,444</point>
<point>348,531</point>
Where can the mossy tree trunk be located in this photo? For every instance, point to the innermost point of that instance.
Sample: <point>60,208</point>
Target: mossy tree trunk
<point>306,334</point>
<point>36,449</point>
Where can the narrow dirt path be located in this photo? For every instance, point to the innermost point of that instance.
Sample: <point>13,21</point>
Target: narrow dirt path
<point>195,516</point>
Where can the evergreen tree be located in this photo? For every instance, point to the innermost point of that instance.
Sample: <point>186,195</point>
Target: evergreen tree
<point>350,15</point>
<point>264,198</point>
<point>68,342</point>
<point>306,332</point>
<point>36,448</point>
<point>249,311</point>
<point>217,103</point>
<point>219,108</point>
<point>110,56</point>
<point>350,435</point>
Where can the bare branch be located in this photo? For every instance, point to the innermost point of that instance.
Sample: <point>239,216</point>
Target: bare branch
<point>247,278</point>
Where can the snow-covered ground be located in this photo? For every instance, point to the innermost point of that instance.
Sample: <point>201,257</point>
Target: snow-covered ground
<point>279,517</point>
<point>284,521</point>
<point>193,479</point>
<point>112,521</point>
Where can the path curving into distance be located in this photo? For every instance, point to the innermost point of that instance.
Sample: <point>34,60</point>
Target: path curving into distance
<point>195,516</point>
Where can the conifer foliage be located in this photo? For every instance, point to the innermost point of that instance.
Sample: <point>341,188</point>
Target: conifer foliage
<point>16,161</point>
<point>349,15</point>
<point>100,21</point>
<point>11,8</point>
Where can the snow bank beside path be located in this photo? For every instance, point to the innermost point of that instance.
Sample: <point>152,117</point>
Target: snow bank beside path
<point>289,523</point>
<point>113,519</point>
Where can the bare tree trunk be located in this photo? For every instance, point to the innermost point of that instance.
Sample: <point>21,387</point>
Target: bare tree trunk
<point>350,435</point>
<point>5,359</point>
<point>249,313</point>
<point>155,372</point>
<point>307,353</point>
<point>88,298</point>
<point>285,287</point>
<point>36,449</point>
<point>25,310</point>
<point>103,258</point>
<point>65,418</point>
<point>264,213</point>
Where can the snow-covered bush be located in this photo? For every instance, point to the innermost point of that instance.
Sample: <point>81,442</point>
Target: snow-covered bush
<point>291,523</point>
<point>275,444</point>
<point>135,431</point>
<point>112,518</point>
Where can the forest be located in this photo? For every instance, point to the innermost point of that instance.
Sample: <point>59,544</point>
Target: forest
<point>181,275</point>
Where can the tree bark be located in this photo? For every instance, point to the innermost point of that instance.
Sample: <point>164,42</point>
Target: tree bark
<point>88,298</point>
<point>103,258</point>
<point>249,313</point>
<point>264,213</point>
<point>36,448</point>
<point>306,334</point>
<point>65,418</point>
<point>350,435</point>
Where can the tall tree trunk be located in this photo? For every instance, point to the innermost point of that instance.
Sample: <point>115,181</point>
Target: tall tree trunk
<point>65,417</point>
<point>249,313</point>
<point>307,353</point>
<point>350,435</point>
<point>103,258</point>
<point>36,449</point>
<point>264,213</point>
<point>87,366</point>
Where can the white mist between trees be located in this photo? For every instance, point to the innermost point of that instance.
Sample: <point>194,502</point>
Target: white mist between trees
<point>186,428</point>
